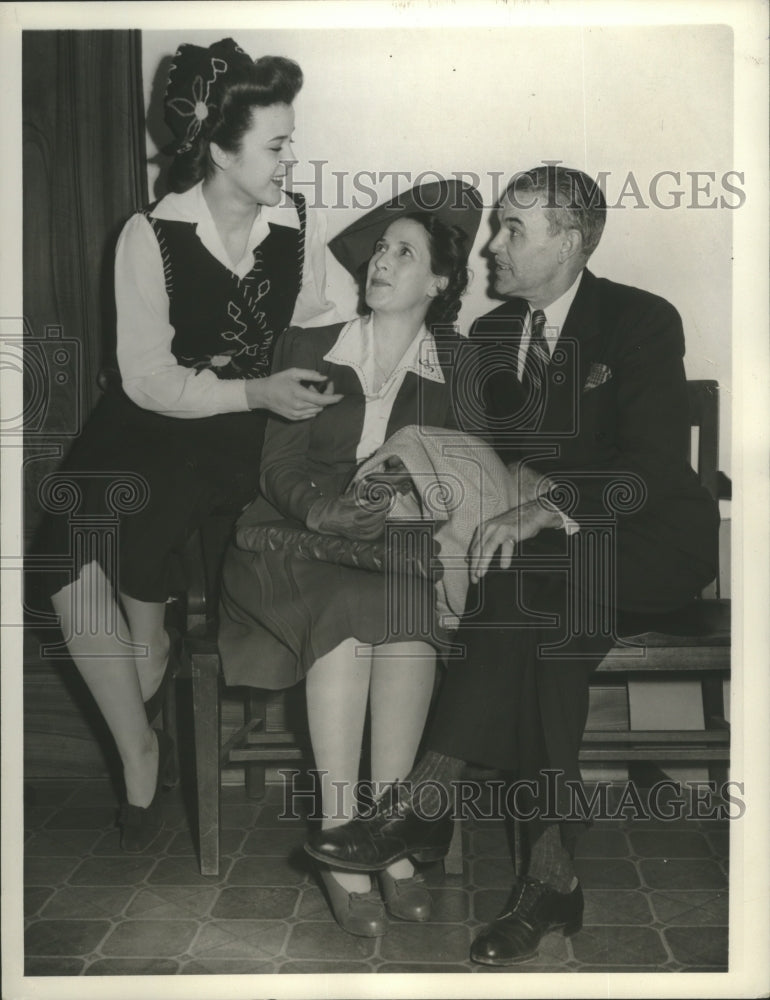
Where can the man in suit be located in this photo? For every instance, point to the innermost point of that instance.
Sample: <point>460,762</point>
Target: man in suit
<point>582,386</point>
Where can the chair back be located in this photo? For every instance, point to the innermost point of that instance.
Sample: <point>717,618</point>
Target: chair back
<point>704,415</point>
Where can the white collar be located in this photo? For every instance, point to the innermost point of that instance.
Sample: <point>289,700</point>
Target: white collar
<point>191,206</point>
<point>354,347</point>
<point>556,312</point>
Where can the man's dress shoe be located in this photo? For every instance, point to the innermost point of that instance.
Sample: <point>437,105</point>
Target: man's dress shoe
<point>395,831</point>
<point>533,910</point>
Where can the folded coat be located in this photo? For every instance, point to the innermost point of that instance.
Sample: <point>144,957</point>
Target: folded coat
<point>459,482</point>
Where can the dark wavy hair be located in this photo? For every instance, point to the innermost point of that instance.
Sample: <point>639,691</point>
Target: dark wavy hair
<point>270,80</point>
<point>448,259</point>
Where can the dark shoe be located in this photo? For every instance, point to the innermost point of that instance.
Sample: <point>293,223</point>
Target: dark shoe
<point>154,703</point>
<point>533,910</point>
<point>394,832</point>
<point>359,913</point>
<point>405,898</point>
<point>141,825</point>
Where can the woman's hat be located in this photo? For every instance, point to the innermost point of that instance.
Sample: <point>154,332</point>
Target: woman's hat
<point>455,203</point>
<point>195,83</point>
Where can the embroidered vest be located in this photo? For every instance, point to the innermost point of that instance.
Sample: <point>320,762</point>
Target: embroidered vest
<point>222,322</point>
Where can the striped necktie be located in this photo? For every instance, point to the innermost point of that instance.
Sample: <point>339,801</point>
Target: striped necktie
<point>538,357</point>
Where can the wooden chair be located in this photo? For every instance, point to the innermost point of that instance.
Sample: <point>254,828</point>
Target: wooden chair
<point>256,743</point>
<point>695,644</point>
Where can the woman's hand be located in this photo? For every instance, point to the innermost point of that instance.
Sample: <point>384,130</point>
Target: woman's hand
<point>504,531</point>
<point>284,394</point>
<point>343,515</point>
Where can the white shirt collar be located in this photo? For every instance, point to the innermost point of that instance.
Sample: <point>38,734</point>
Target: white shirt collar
<point>191,206</point>
<point>555,318</point>
<point>556,312</point>
<point>355,347</point>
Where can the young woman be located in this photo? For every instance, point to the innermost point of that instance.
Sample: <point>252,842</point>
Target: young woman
<point>285,617</point>
<point>206,281</point>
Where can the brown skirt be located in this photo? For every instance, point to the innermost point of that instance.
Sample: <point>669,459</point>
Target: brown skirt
<point>279,613</point>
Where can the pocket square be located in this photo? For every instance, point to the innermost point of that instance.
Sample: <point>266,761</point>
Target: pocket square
<point>597,375</point>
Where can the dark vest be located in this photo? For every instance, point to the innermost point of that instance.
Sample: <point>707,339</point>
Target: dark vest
<point>223,322</point>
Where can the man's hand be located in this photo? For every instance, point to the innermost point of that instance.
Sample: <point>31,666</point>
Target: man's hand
<point>344,516</point>
<point>529,483</point>
<point>504,532</point>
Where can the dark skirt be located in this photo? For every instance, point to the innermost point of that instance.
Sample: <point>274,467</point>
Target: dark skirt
<point>279,613</point>
<point>134,487</point>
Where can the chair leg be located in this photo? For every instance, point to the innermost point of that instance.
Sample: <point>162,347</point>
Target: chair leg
<point>171,729</point>
<point>518,848</point>
<point>453,862</point>
<point>255,781</point>
<point>714,718</point>
<point>713,701</point>
<point>205,692</point>
<point>255,707</point>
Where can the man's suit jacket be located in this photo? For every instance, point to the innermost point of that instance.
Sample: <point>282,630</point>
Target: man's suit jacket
<point>614,409</point>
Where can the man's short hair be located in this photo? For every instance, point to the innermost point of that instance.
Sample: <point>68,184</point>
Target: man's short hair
<point>573,200</point>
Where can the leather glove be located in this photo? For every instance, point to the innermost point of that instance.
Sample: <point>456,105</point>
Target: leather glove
<point>395,473</point>
<point>345,516</point>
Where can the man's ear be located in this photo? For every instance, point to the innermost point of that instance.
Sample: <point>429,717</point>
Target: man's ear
<point>571,244</point>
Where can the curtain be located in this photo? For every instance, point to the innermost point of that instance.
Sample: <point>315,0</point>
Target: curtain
<point>84,173</point>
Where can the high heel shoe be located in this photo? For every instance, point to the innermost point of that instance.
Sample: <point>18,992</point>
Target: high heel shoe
<point>141,825</point>
<point>359,913</point>
<point>154,703</point>
<point>405,898</point>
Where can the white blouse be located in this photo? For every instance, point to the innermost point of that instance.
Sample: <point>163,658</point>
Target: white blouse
<point>151,375</point>
<point>355,347</point>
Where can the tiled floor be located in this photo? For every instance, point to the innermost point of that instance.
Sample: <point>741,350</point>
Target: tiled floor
<point>656,897</point>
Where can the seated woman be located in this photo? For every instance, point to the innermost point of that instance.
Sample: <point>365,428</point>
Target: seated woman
<point>284,617</point>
